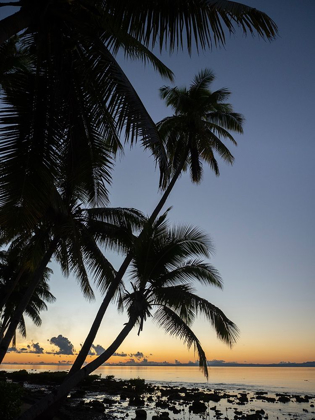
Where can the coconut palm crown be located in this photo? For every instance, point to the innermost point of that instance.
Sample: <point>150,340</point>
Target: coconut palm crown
<point>167,264</point>
<point>201,120</point>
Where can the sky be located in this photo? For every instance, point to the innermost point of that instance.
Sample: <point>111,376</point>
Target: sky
<point>259,212</point>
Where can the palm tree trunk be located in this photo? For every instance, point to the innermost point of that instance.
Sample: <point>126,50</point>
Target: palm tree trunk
<point>14,24</point>
<point>4,326</point>
<point>53,401</point>
<point>49,402</point>
<point>15,319</point>
<point>10,288</point>
<point>114,285</point>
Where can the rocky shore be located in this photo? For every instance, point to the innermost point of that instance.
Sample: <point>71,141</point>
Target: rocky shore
<point>107,398</point>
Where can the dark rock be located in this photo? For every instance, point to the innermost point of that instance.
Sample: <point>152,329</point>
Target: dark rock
<point>212,397</point>
<point>300,399</point>
<point>284,399</point>
<point>109,401</point>
<point>78,394</point>
<point>218,414</point>
<point>175,397</point>
<point>141,414</point>
<point>262,412</point>
<point>242,399</point>
<point>265,398</point>
<point>97,406</point>
<point>174,410</point>
<point>198,407</point>
<point>238,413</point>
<point>254,416</point>
<point>136,401</point>
<point>161,404</point>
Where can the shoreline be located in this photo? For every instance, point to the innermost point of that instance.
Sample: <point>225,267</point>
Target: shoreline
<point>109,398</point>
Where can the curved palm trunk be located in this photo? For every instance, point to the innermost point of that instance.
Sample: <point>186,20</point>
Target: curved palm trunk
<point>76,374</point>
<point>5,342</point>
<point>10,288</point>
<point>4,326</point>
<point>14,24</point>
<point>52,400</point>
<point>114,285</point>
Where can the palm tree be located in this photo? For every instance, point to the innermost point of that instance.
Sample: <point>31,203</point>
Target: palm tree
<point>79,92</point>
<point>202,117</point>
<point>37,303</point>
<point>65,37</point>
<point>78,86</point>
<point>165,266</point>
<point>8,268</point>
<point>73,235</point>
<point>57,151</point>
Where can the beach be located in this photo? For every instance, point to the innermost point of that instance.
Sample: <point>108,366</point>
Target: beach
<point>110,397</point>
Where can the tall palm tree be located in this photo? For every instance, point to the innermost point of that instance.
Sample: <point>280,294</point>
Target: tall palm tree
<point>201,119</point>
<point>193,133</point>
<point>165,266</point>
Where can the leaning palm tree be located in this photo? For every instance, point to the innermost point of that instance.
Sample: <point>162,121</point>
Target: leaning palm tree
<point>202,118</point>
<point>165,266</point>
<point>40,297</point>
<point>72,235</point>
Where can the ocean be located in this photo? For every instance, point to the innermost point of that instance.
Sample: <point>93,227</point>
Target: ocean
<point>271,379</point>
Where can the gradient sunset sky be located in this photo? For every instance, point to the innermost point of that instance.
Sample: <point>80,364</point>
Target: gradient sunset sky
<point>259,212</point>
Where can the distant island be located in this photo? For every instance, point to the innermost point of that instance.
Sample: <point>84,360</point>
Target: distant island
<point>212,363</point>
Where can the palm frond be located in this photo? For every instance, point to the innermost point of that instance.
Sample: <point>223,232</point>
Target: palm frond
<point>201,81</point>
<point>226,330</point>
<point>202,22</point>
<point>175,326</point>
<point>192,270</point>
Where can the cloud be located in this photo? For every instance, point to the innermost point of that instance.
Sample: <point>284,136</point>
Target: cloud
<point>139,355</point>
<point>64,345</point>
<point>98,349</point>
<point>120,354</point>
<point>30,348</point>
<point>216,362</point>
<point>35,348</point>
<point>13,350</point>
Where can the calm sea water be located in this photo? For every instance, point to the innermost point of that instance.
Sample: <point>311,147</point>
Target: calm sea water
<point>271,379</point>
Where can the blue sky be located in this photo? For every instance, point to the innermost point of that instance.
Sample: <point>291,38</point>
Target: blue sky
<point>259,212</point>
